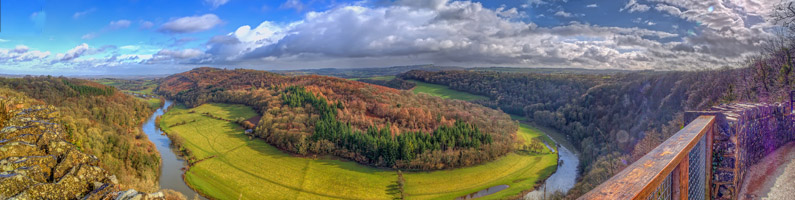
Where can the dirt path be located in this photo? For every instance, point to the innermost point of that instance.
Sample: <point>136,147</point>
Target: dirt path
<point>773,177</point>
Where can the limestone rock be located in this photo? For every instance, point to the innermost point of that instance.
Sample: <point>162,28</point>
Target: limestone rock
<point>37,163</point>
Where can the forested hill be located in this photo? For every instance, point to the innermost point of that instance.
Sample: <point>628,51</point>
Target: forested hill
<point>100,121</point>
<point>615,119</point>
<point>366,123</point>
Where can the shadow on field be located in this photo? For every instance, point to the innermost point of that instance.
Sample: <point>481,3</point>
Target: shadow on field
<point>393,190</point>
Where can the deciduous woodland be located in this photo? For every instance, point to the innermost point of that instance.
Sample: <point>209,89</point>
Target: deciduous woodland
<point>606,116</point>
<point>369,124</point>
<point>101,121</point>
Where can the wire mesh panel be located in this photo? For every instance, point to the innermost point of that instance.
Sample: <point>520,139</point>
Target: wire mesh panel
<point>663,191</point>
<point>697,171</point>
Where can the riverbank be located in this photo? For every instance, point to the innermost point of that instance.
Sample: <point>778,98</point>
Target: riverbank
<point>170,176</point>
<point>565,175</point>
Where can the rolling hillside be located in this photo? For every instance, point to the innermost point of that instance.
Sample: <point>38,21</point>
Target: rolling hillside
<point>373,125</point>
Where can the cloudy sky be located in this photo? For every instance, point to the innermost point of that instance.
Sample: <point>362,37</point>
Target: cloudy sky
<point>157,37</point>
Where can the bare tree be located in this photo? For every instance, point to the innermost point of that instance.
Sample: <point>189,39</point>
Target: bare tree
<point>784,14</point>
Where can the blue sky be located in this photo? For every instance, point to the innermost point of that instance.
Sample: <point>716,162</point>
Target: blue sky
<point>143,37</point>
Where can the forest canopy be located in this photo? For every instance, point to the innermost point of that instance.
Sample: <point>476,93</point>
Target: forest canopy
<point>373,125</point>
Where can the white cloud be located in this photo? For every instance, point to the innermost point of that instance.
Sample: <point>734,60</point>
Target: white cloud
<point>119,24</point>
<point>20,49</point>
<point>191,24</point>
<point>146,24</point>
<point>634,6</point>
<point>668,9</point>
<point>73,53</point>
<point>21,53</point>
<point>130,47</point>
<point>264,31</point>
<point>459,33</point>
<point>89,36</point>
<point>563,14</point>
<point>216,3</point>
<point>4,40</point>
<point>180,54</point>
<point>293,4</point>
<point>184,56</point>
<point>428,4</point>
<point>592,6</point>
<point>78,15</point>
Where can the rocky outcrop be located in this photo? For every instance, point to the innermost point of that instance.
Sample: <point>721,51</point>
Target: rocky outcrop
<point>36,162</point>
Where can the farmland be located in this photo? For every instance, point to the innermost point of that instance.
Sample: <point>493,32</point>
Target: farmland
<point>444,91</point>
<point>231,165</point>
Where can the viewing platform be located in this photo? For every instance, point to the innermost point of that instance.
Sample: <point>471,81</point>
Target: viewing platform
<point>708,158</point>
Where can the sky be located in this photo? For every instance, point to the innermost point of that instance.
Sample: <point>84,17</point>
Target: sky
<point>150,37</point>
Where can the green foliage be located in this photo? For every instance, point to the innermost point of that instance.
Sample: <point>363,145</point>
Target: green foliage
<point>89,90</point>
<point>139,86</point>
<point>380,144</point>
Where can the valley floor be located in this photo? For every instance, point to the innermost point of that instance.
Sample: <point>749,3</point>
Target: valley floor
<point>232,166</point>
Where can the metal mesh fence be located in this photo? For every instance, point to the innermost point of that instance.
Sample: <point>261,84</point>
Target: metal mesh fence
<point>663,192</point>
<point>696,171</point>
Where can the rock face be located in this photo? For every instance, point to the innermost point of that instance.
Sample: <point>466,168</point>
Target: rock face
<point>743,135</point>
<point>37,163</point>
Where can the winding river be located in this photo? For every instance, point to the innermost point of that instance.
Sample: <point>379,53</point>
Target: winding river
<point>566,175</point>
<point>171,168</point>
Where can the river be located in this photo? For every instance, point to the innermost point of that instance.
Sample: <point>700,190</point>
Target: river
<point>171,168</point>
<point>566,175</point>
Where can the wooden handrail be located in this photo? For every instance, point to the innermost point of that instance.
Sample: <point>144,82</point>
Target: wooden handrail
<point>642,177</point>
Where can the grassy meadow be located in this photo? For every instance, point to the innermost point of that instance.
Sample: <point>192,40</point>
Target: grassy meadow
<point>231,166</point>
<point>444,91</point>
<point>154,103</point>
<point>147,89</point>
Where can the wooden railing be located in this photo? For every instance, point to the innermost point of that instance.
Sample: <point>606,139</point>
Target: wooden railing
<point>677,169</point>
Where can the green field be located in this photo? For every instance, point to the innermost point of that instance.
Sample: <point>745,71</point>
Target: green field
<point>444,91</point>
<point>235,166</point>
<point>154,103</point>
<point>148,85</point>
<point>520,171</point>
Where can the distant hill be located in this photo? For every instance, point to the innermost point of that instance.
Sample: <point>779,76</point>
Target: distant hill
<point>351,73</point>
<point>370,124</point>
<point>365,72</point>
<point>551,70</point>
